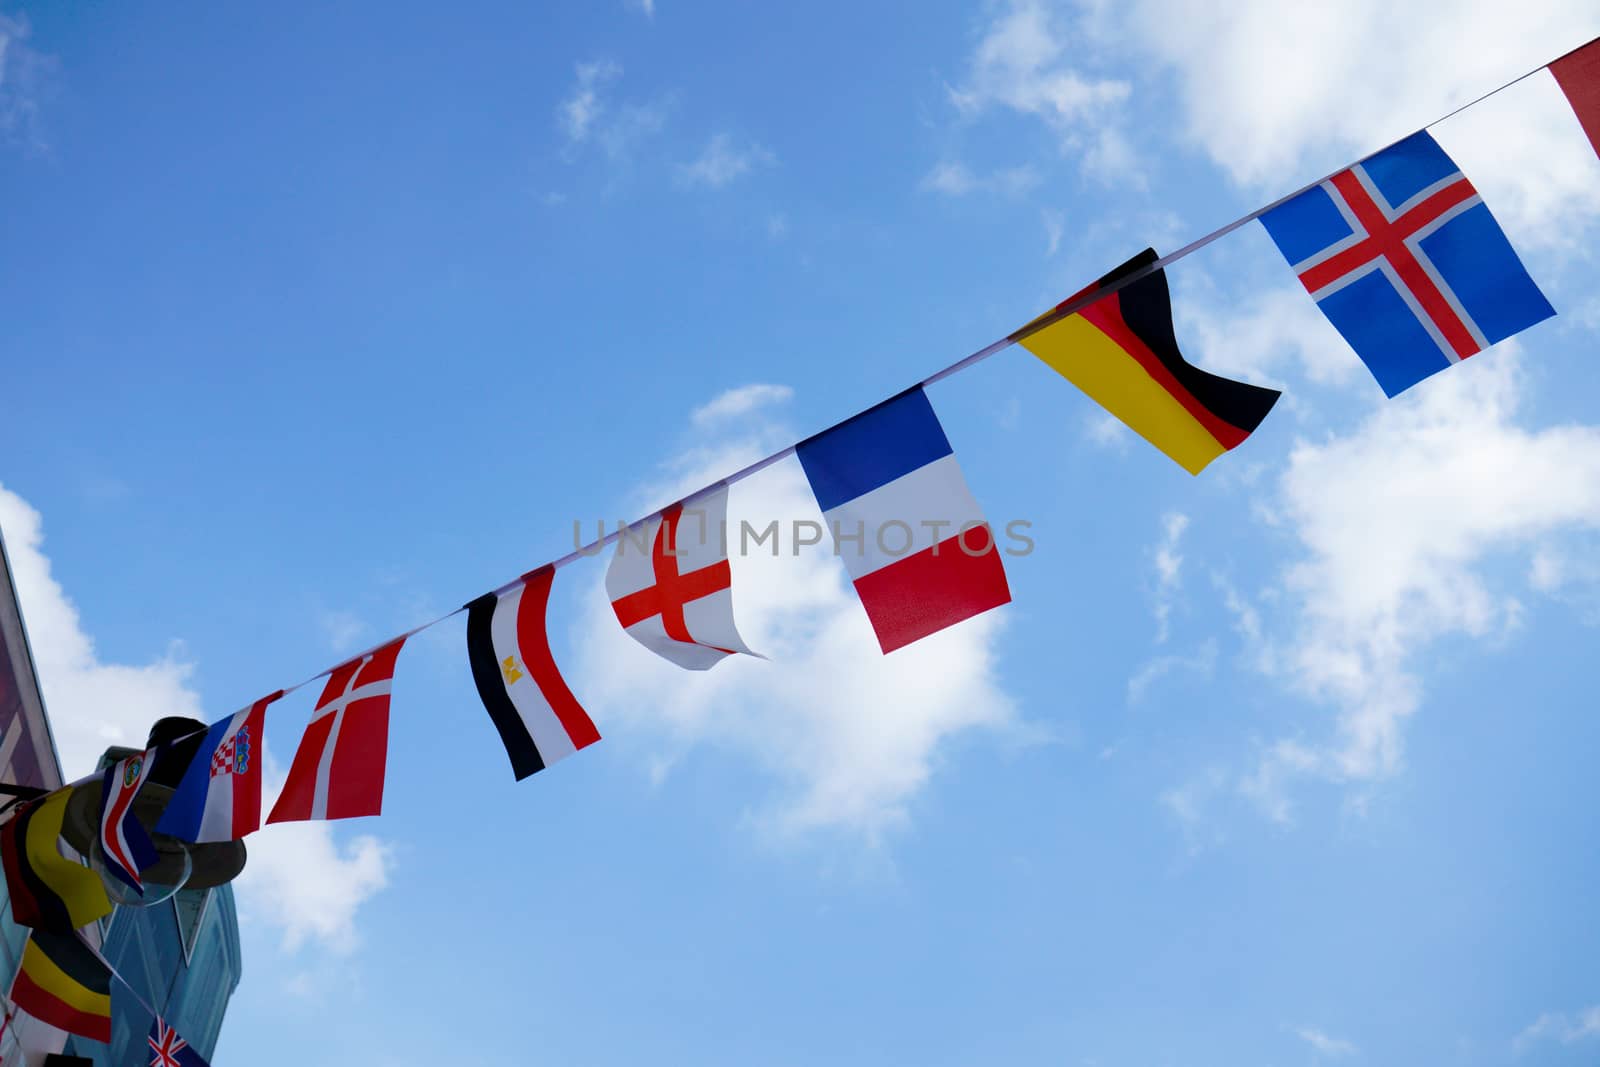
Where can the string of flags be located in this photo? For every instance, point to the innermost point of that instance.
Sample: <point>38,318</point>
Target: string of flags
<point>64,982</point>
<point>1398,251</point>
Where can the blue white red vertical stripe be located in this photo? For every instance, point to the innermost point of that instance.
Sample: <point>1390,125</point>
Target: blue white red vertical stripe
<point>219,796</point>
<point>912,537</point>
<point>1407,262</point>
<point>125,847</point>
<point>167,1049</point>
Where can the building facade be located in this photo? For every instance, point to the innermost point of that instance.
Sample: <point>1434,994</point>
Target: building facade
<point>27,757</point>
<point>181,956</point>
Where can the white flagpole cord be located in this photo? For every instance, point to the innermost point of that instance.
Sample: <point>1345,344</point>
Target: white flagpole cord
<point>1063,311</point>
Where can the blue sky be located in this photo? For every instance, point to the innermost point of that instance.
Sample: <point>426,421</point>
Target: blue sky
<point>319,323</point>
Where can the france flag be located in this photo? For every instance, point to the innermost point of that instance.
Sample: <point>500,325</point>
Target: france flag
<point>912,537</point>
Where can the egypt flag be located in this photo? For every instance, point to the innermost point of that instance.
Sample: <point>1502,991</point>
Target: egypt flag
<point>538,718</point>
<point>1122,351</point>
<point>63,982</point>
<point>1578,74</point>
<point>337,771</point>
<point>125,847</point>
<point>911,536</point>
<point>219,796</point>
<point>671,586</point>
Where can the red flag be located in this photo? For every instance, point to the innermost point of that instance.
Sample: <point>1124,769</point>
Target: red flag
<point>1578,74</point>
<point>337,772</point>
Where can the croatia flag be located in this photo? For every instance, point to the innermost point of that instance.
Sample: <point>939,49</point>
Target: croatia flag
<point>125,847</point>
<point>219,796</point>
<point>913,539</point>
<point>538,718</point>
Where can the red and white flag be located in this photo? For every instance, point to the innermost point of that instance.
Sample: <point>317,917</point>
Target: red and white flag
<point>671,586</point>
<point>337,771</point>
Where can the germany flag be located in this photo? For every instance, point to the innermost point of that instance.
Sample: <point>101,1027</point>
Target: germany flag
<point>1122,351</point>
<point>63,982</point>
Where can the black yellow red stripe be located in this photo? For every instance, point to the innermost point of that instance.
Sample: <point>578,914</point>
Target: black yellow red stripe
<point>61,981</point>
<point>1123,352</point>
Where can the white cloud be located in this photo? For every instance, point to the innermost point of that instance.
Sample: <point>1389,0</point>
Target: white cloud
<point>1187,804</point>
<point>1558,1026</point>
<point>1054,229</point>
<point>344,630</point>
<point>738,402</point>
<point>1397,520</point>
<point>1331,1047</point>
<point>1168,560</point>
<point>298,877</point>
<point>1342,80</point>
<point>1260,339</point>
<point>1023,64</point>
<point>1570,575</point>
<point>1246,617</point>
<point>92,704</point>
<point>848,735</point>
<point>580,111</point>
<point>1202,662</point>
<point>1106,430</point>
<point>632,123</point>
<point>955,179</point>
<point>1552,203</point>
<point>22,70</point>
<point>646,7</point>
<point>588,117</point>
<point>1269,90</point>
<point>303,880</point>
<point>722,162</point>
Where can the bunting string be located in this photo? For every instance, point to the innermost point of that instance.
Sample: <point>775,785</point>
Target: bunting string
<point>1064,310</point>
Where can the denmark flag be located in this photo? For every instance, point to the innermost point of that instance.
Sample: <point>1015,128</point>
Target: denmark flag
<point>337,771</point>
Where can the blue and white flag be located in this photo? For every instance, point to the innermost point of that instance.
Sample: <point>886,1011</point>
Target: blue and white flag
<point>219,796</point>
<point>915,542</point>
<point>1407,263</point>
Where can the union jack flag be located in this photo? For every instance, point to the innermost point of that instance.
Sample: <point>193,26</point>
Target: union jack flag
<point>1407,263</point>
<point>167,1049</point>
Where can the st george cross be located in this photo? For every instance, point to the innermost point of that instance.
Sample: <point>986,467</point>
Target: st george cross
<point>1407,262</point>
<point>167,1049</point>
<point>671,586</point>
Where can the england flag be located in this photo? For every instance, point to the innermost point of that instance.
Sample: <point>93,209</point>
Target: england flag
<point>671,587</point>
